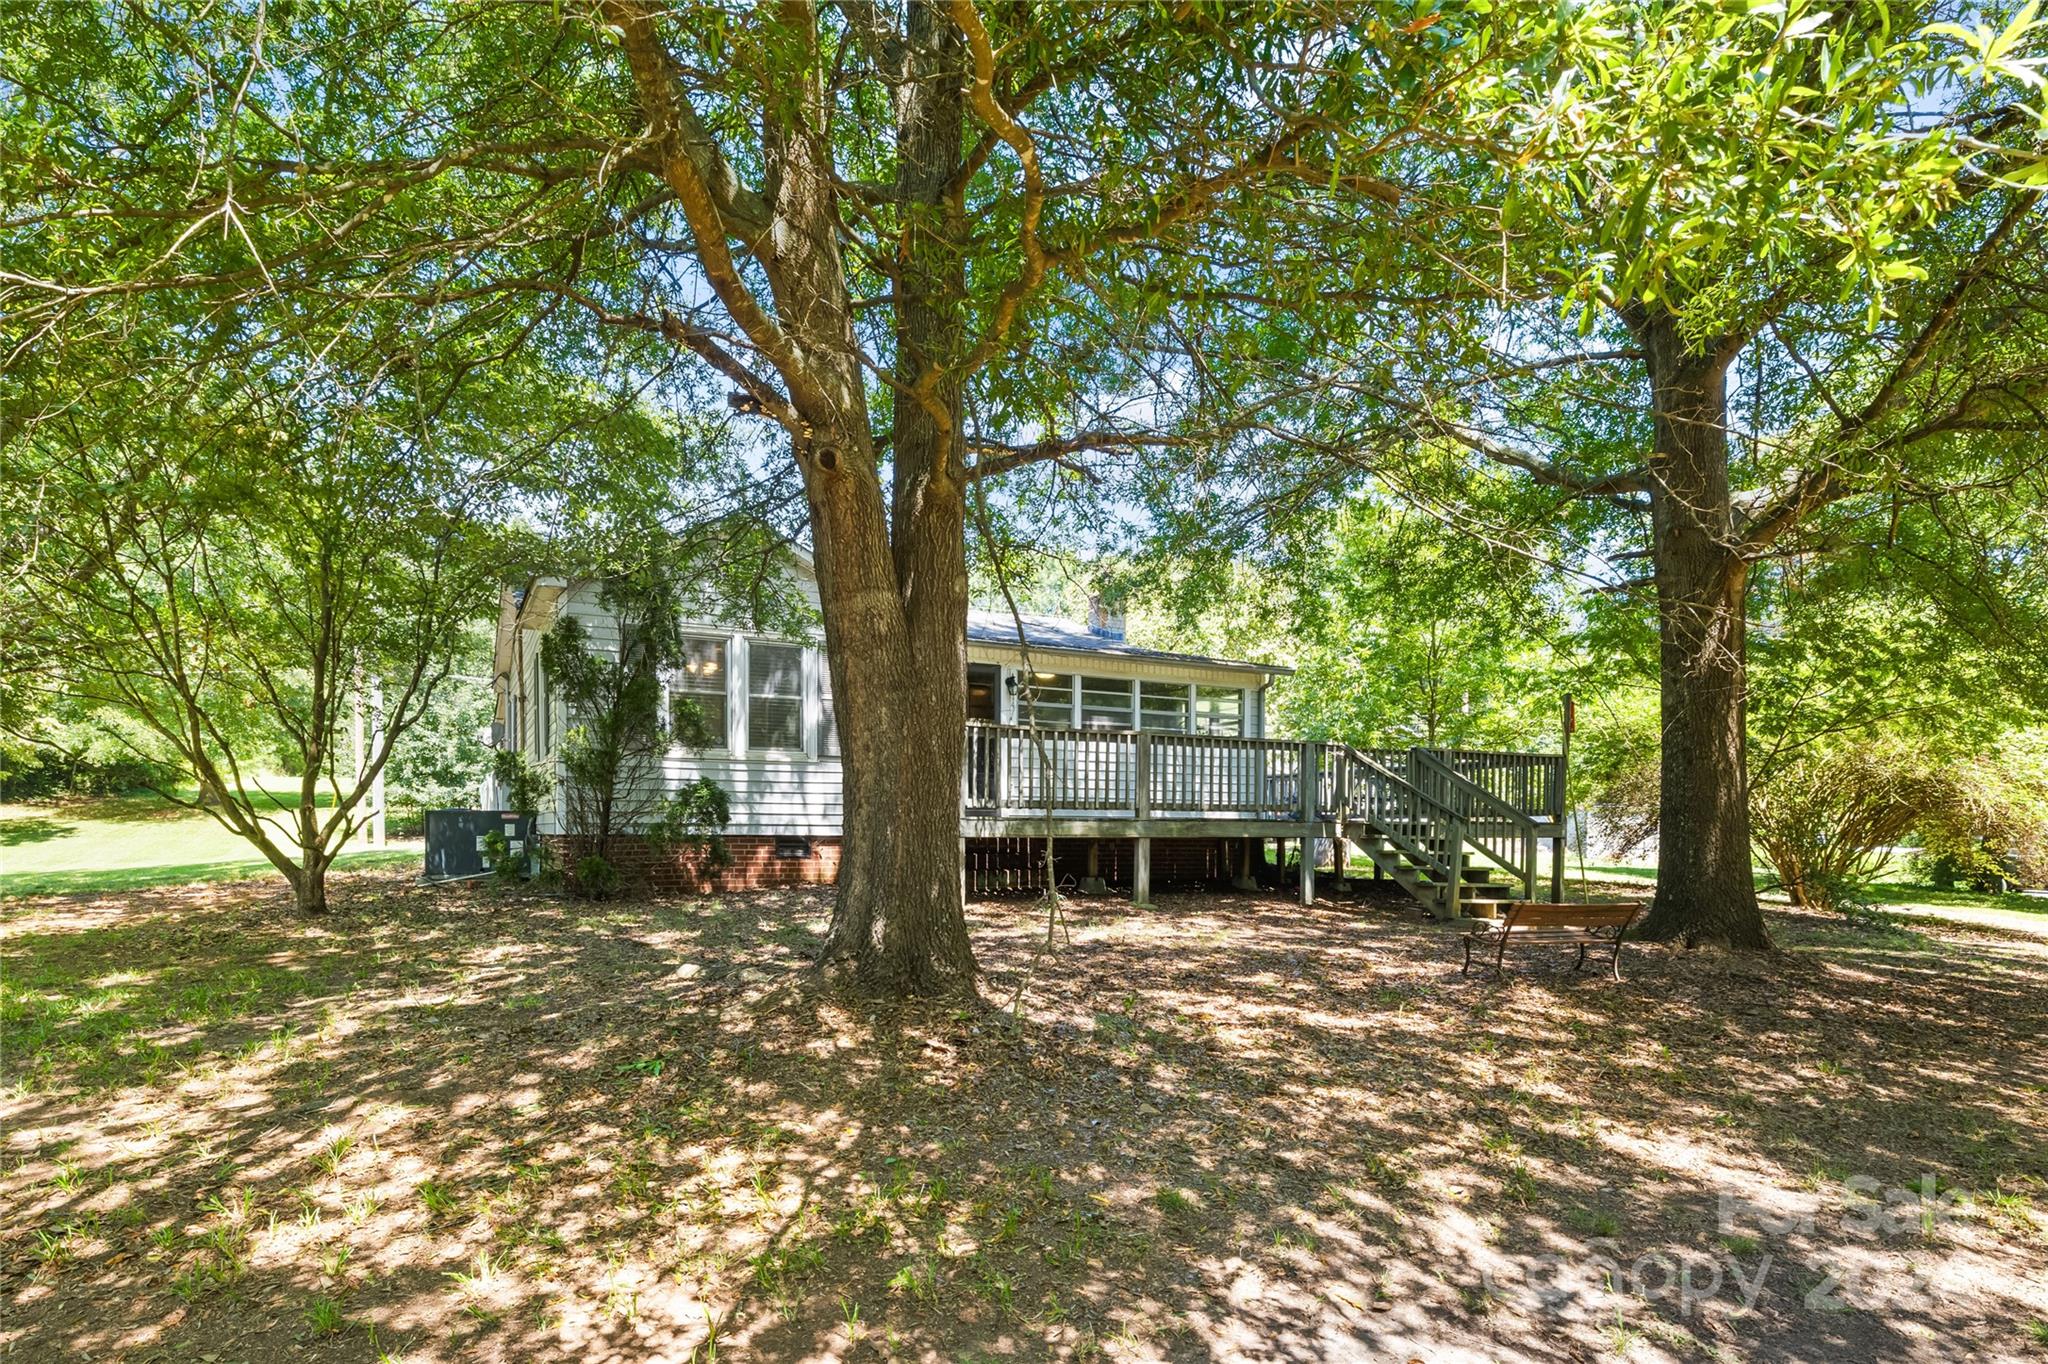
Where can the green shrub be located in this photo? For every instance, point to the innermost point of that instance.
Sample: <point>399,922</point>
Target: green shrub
<point>596,878</point>
<point>505,866</point>
<point>524,785</point>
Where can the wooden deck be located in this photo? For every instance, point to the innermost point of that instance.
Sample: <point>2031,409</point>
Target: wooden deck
<point>1423,815</point>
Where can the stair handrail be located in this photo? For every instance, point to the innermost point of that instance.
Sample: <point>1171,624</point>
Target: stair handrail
<point>1465,786</point>
<point>1524,825</point>
<point>1418,852</point>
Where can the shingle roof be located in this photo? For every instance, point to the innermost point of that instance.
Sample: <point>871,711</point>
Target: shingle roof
<point>1065,636</point>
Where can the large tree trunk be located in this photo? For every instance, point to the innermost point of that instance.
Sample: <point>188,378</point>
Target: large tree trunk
<point>891,567</point>
<point>894,581</point>
<point>1705,890</point>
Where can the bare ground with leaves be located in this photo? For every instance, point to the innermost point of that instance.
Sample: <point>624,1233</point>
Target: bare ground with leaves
<point>443,1126</point>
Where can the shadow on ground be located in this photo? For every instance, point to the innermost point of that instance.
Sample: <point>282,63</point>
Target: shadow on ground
<point>20,830</point>
<point>446,1126</point>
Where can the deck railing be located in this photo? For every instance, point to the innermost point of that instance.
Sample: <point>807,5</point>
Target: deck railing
<point>1015,771</point>
<point>1406,814</point>
<point>1502,833</point>
<point>1533,783</point>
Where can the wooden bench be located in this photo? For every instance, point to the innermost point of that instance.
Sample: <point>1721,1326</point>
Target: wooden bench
<point>1582,926</point>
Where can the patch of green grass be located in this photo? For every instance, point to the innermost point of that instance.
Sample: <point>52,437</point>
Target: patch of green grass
<point>1912,893</point>
<point>324,1316</point>
<point>130,1003</point>
<point>112,880</point>
<point>1893,890</point>
<point>437,1198</point>
<point>778,1268</point>
<point>129,831</point>
<point>330,1156</point>
<point>918,1280</point>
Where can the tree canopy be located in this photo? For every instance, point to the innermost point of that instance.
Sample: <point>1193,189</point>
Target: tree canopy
<point>1222,263</point>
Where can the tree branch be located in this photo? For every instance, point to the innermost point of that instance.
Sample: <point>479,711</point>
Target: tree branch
<point>1813,488</point>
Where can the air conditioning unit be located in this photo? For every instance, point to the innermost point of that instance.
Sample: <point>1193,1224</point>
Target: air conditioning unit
<point>456,839</point>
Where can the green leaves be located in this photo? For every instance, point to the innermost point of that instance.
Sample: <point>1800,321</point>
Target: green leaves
<point>1694,147</point>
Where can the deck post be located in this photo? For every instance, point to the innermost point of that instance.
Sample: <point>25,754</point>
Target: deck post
<point>1340,820</point>
<point>1454,857</point>
<point>1092,883</point>
<point>1310,781</point>
<point>1559,807</point>
<point>1141,777</point>
<point>1141,808</point>
<point>1244,879</point>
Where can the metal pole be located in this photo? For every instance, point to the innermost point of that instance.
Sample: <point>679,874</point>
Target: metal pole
<point>1564,772</point>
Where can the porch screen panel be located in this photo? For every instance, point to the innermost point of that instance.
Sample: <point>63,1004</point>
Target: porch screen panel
<point>1163,707</point>
<point>701,682</point>
<point>1046,700</point>
<point>1233,775</point>
<point>1219,710</point>
<point>775,697</point>
<point>1102,770</point>
<point>1106,703</point>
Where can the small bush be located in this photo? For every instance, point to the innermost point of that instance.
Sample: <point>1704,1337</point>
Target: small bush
<point>1827,820</point>
<point>506,868</point>
<point>596,878</point>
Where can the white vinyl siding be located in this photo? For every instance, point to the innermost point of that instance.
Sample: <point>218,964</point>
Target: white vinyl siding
<point>795,789</point>
<point>702,680</point>
<point>775,697</point>
<point>781,791</point>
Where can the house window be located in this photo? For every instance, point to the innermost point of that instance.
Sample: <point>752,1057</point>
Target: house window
<point>1219,710</point>
<point>828,718</point>
<point>700,682</point>
<point>1163,707</point>
<point>775,697</point>
<point>1046,700</point>
<point>1106,703</point>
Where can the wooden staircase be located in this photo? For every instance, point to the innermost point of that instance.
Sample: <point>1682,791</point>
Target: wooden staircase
<point>1449,842</point>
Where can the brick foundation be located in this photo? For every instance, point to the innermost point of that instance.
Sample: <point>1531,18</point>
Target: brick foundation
<point>994,865</point>
<point>755,864</point>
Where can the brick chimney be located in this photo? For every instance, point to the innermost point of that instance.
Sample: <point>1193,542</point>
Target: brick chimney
<point>1104,622</point>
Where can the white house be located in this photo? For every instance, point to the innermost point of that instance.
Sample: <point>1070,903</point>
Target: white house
<point>769,699</point>
<point>1141,765</point>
